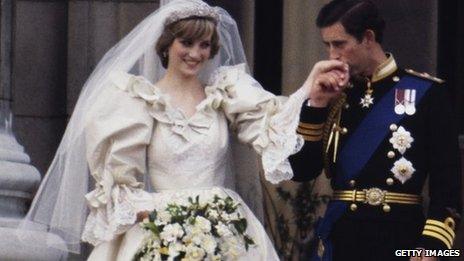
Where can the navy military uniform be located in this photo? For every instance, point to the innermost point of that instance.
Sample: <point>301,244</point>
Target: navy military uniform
<point>376,207</point>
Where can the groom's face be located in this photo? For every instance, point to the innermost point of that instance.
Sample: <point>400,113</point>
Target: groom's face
<point>346,48</point>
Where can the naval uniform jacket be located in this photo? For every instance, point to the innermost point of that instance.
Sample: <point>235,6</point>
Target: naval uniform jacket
<point>434,154</point>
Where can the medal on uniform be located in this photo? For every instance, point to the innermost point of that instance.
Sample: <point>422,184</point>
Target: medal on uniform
<point>400,108</point>
<point>410,101</point>
<point>367,100</point>
<point>403,170</point>
<point>401,140</point>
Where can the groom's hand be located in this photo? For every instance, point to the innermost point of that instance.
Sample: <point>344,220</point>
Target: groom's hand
<point>326,81</point>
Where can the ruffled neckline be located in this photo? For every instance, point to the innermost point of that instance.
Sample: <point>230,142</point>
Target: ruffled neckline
<point>160,108</point>
<point>220,85</point>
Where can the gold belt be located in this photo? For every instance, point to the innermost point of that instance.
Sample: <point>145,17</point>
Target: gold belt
<point>376,197</point>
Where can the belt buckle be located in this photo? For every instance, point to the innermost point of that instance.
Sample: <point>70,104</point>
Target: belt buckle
<point>374,196</point>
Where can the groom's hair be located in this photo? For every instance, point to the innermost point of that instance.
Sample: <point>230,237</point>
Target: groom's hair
<point>356,16</point>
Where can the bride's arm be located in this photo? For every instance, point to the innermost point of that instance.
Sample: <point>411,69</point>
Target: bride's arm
<point>267,122</point>
<point>118,130</point>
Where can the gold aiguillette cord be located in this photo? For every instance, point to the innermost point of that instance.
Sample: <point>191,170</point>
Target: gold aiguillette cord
<point>334,133</point>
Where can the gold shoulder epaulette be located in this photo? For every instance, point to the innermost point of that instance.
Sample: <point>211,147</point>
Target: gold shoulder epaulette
<point>425,75</point>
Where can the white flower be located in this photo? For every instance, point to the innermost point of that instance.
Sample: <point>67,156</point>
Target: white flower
<point>194,235</point>
<point>155,244</point>
<point>212,213</point>
<point>232,248</point>
<point>193,252</point>
<point>403,170</point>
<point>191,231</point>
<point>229,217</point>
<point>209,244</point>
<point>401,139</point>
<point>175,248</point>
<point>195,238</point>
<point>203,224</point>
<point>164,216</point>
<point>171,232</point>
<point>226,216</point>
<point>223,230</point>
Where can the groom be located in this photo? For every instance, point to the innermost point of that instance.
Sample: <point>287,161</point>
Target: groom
<point>379,141</point>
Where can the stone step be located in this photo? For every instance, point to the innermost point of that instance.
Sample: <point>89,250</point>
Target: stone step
<point>15,176</point>
<point>31,247</point>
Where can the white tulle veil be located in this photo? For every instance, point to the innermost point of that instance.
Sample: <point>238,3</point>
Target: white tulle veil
<point>59,206</point>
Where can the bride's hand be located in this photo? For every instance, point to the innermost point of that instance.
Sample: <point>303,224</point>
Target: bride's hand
<point>326,81</point>
<point>142,215</point>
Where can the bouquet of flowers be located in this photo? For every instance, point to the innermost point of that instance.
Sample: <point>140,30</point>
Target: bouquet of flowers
<point>211,230</point>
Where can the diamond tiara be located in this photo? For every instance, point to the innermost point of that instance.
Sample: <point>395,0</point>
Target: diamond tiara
<point>202,10</point>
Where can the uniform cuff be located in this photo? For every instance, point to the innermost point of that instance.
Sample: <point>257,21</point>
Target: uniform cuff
<point>313,115</point>
<point>438,234</point>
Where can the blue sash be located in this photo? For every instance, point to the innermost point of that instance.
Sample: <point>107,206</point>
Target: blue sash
<point>359,148</point>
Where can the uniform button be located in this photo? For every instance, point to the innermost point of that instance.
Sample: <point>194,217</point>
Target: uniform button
<point>353,207</point>
<point>352,183</point>
<point>396,79</point>
<point>347,106</point>
<point>449,221</point>
<point>393,127</point>
<point>390,181</point>
<point>386,208</point>
<point>344,131</point>
<point>391,154</point>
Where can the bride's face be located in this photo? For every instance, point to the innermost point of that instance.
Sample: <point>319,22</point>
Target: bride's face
<point>187,56</point>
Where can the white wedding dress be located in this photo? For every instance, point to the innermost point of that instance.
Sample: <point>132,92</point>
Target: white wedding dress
<point>141,133</point>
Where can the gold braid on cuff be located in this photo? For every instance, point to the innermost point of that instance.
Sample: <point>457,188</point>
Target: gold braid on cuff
<point>310,132</point>
<point>443,231</point>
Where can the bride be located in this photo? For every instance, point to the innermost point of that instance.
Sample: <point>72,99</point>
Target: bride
<point>150,145</point>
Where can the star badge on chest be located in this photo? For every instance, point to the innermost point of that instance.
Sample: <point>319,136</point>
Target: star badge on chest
<point>367,100</point>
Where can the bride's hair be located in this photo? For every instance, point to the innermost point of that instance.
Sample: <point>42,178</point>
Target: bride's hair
<point>190,29</point>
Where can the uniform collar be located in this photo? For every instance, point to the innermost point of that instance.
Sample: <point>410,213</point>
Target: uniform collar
<point>385,69</point>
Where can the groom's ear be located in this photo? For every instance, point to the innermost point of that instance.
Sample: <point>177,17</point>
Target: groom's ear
<point>369,37</point>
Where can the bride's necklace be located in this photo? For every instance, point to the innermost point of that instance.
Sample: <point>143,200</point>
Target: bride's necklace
<point>368,99</point>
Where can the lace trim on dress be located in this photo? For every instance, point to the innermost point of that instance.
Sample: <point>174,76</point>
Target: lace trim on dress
<point>113,209</point>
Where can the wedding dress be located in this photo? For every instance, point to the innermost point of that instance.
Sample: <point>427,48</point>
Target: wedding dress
<point>143,134</point>
<point>143,153</point>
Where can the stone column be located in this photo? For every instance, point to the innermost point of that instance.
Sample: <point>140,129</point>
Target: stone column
<point>18,179</point>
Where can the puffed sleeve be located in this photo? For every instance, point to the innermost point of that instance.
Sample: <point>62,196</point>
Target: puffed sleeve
<point>265,121</point>
<point>118,130</point>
